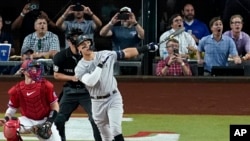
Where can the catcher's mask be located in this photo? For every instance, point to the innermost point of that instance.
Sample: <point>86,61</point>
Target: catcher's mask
<point>33,68</point>
<point>73,34</point>
<point>80,39</point>
<point>11,129</point>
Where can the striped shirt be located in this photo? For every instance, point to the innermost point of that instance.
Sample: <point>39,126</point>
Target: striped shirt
<point>107,82</point>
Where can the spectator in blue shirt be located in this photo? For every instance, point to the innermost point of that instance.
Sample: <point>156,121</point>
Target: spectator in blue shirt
<point>217,48</point>
<point>80,20</point>
<point>196,28</point>
<point>127,33</point>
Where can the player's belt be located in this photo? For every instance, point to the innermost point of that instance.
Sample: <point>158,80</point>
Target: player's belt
<point>104,96</point>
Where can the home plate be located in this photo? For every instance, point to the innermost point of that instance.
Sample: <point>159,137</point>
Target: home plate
<point>80,129</point>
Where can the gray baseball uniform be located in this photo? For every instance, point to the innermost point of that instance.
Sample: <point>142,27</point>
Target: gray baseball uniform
<point>107,104</point>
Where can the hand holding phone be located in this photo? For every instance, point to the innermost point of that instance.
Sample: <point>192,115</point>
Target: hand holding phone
<point>176,51</point>
<point>123,16</point>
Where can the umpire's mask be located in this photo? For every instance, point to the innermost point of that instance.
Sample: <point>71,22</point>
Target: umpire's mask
<point>73,34</point>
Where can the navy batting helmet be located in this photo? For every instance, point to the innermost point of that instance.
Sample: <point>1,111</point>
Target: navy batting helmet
<point>83,38</point>
<point>72,33</point>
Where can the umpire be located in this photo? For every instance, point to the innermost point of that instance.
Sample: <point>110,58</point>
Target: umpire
<point>74,92</point>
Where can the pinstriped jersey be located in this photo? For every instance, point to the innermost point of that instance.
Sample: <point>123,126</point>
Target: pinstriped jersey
<point>107,82</point>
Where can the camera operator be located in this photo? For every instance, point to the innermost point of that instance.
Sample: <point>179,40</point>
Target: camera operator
<point>79,11</point>
<point>25,20</point>
<point>128,33</point>
<point>173,65</point>
<point>122,36</point>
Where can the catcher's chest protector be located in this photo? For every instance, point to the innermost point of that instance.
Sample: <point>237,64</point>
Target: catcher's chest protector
<point>32,100</point>
<point>11,129</point>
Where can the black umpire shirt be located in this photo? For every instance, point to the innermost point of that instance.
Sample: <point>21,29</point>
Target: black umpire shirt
<point>65,62</point>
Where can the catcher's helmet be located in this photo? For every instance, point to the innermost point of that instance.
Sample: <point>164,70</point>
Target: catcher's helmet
<point>72,33</point>
<point>28,66</point>
<point>83,38</point>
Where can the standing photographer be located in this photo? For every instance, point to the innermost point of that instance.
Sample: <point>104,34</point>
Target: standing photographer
<point>173,65</point>
<point>26,19</point>
<point>79,21</point>
<point>128,33</point>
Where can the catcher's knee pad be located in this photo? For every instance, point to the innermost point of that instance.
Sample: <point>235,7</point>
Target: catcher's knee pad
<point>10,130</point>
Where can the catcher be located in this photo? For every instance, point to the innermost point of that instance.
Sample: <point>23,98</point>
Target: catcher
<point>37,101</point>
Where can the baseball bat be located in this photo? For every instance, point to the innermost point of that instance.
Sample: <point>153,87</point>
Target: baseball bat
<point>177,32</point>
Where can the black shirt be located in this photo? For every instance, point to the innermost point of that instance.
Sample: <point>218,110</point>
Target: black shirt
<point>65,62</point>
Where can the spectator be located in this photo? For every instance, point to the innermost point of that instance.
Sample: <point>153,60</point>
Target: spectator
<point>79,11</point>
<point>241,39</point>
<point>186,41</point>
<point>26,54</point>
<point>74,92</point>
<point>173,65</point>
<point>193,26</point>
<point>36,99</point>
<point>44,43</point>
<point>5,37</point>
<point>128,33</point>
<point>25,21</point>
<point>216,48</point>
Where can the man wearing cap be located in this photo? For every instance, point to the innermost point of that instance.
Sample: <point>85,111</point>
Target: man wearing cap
<point>80,12</point>
<point>128,33</point>
<point>26,54</point>
<point>74,92</point>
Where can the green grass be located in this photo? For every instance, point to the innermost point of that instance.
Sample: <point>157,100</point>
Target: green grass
<point>190,127</point>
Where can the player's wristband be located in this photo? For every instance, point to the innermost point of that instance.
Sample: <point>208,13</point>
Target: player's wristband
<point>52,116</point>
<point>100,65</point>
<point>135,24</point>
<point>21,14</point>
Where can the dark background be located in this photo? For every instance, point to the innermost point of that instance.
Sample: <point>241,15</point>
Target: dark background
<point>148,13</point>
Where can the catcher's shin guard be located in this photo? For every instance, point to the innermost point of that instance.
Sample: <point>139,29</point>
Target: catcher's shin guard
<point>11,130</point>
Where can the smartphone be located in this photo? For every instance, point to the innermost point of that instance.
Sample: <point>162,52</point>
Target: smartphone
<point>176,51</point>
<point>78,7</point>
<point>123,16</point>
<point>34,6</point>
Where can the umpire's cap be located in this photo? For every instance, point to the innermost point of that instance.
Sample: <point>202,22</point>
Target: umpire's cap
<point>73,32</point>
<point>83,38</point>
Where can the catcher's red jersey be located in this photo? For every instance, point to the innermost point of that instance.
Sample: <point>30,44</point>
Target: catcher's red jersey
<point>33,99</point>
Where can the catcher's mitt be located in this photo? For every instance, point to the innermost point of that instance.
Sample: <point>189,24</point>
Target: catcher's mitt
<point>43,130</point>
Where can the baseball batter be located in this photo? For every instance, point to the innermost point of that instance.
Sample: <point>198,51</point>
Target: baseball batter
<point>37,101</point>
<point>95,70</point>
